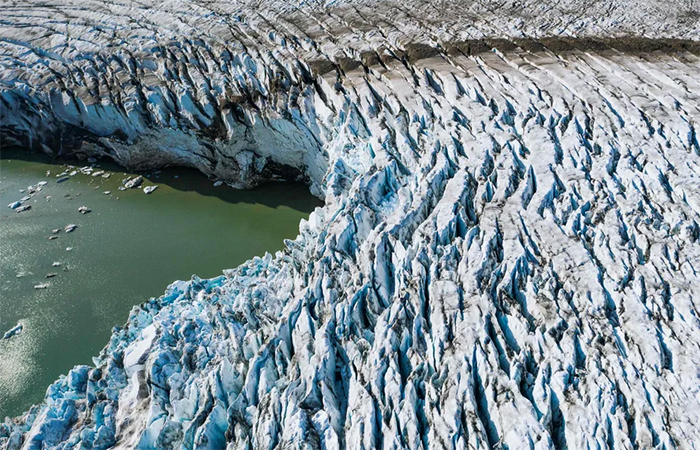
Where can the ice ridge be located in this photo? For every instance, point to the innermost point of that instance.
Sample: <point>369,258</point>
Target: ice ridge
<point>506,255</point>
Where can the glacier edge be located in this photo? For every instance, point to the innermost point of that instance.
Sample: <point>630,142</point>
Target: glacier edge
<point>506,254</point>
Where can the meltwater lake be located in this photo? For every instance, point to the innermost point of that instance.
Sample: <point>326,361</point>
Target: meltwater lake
<point>129,248</point>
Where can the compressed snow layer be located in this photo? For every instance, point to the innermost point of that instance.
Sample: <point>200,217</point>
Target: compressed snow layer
<point>507,255</point>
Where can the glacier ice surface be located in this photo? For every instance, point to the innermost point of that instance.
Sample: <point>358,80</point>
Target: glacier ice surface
<point>506,255</point>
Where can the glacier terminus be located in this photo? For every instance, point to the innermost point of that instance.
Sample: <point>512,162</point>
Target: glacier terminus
<point>508,253</point>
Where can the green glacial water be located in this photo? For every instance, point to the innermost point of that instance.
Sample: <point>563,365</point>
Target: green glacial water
<point>128,249</point>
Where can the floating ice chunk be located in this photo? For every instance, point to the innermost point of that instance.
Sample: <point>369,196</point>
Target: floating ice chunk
<point>133,182</point>
<point>14,331</point>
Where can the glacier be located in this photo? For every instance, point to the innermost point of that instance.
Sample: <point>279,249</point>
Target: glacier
<point>506,255</point>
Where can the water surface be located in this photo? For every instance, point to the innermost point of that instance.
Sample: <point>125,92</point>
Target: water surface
<point>128,249</point>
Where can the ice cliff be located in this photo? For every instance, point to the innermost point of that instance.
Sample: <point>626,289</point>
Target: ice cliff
<point>506,255</point>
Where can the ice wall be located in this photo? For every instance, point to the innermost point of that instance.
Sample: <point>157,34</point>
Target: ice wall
<point>506,258</point>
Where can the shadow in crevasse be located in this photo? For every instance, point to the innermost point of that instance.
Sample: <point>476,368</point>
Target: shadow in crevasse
<point>273,194</point>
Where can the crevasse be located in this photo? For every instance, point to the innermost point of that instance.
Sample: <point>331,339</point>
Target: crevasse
<point>506,255</point>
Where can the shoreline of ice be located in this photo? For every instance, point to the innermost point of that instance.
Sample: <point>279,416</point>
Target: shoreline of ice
<point>506,255</point>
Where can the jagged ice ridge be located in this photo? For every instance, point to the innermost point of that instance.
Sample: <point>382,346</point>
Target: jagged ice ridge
<point>506,255</point>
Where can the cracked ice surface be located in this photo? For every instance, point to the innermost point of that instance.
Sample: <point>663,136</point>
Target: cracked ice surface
<point>506,257</point>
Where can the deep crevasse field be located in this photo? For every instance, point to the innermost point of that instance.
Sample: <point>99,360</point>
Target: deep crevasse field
<point>507,252</point>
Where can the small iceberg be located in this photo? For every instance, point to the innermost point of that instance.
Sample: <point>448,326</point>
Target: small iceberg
<point>14,331</point>
<point>133,182</point>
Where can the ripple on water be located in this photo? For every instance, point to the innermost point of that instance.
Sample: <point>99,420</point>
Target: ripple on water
<point>18,365</point>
